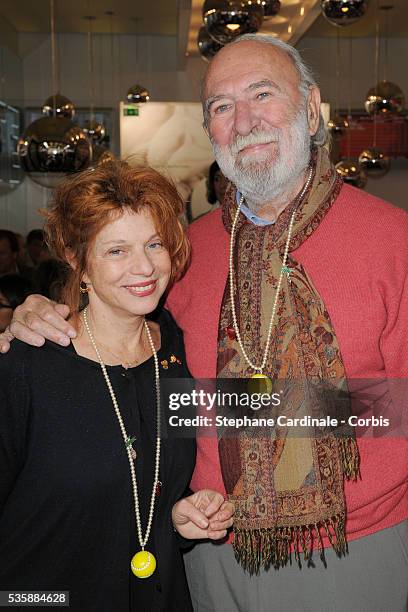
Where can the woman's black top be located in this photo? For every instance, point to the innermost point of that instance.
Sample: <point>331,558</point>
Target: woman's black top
<point>67,519</point>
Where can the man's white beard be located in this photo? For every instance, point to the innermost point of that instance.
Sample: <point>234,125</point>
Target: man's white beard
<point>264,178</point>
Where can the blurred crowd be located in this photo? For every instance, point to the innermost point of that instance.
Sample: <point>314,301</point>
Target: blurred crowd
<point>26,266</point>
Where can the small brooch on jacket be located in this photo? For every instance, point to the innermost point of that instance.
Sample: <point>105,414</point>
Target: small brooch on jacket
<point>173,359</point>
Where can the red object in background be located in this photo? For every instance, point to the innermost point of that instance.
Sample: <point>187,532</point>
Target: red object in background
<point>392,136</point>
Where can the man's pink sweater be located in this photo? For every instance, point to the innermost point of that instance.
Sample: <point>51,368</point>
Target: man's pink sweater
<point>358,261</point>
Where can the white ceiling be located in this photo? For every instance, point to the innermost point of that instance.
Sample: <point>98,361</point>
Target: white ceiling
<point>130,16</point>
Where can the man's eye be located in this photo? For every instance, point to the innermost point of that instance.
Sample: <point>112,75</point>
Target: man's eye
<point>263,94</point>
<point>221,109</point>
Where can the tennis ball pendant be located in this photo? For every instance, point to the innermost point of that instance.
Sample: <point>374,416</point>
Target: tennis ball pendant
<point>143,564</point>
<point>261,384</point>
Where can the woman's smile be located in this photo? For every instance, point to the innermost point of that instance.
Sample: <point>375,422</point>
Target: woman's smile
<point>142,289</point>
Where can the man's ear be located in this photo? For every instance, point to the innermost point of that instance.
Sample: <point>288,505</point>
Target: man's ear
<point>313,109</point>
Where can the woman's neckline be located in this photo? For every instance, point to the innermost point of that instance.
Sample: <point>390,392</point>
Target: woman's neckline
<point>70,349</point>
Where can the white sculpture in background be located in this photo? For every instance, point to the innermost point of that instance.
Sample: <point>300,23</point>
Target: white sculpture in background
<point>170,138</point>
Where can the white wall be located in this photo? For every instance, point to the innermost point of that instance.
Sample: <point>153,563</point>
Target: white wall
<point>393,187</point>
<point>19,208</point>
<point>321,53</point>
<point>148,60</point>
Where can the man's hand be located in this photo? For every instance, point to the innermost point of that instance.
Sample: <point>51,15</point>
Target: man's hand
<point>203,515</point>
<point>5,338</point>
<point>37,319</point>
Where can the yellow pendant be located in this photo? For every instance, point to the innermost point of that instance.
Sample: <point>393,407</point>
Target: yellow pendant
<point>261,384</point>
<point>143,564</point>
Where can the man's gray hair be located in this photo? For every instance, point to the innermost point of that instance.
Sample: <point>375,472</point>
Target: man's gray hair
<point>306,78</point>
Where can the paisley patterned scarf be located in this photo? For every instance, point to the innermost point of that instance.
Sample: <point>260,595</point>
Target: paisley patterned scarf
<point>287,490</point>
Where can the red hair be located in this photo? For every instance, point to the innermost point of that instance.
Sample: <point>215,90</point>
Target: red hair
<point>83,204</point>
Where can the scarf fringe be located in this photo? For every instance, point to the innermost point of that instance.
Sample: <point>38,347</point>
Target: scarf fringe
<point>350,457</point>
<point>262,548</point>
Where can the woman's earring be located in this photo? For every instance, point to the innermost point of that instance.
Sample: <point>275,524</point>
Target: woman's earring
<point>83,287</point>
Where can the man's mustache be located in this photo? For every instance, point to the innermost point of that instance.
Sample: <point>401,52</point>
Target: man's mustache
<point>254,138</point>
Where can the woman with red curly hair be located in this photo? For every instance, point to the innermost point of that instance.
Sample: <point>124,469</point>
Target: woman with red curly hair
<point>90,492</point>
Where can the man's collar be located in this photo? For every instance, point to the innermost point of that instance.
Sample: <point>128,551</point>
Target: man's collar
<point>252,216</point>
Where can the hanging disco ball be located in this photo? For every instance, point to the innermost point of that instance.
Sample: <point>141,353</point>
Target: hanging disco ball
<point>351,173</point>
<point>94,130</point>
<point>58,106</point>
<point>137,94</point>
<point>337,125</point>
<point>374,162</point>
<point>271,7</point>
<point>343,12</point>
<point>52,147</point>
<point>386,98</point>
<point>102,156</point>
<point>228,19</point>
<point>207,45</point>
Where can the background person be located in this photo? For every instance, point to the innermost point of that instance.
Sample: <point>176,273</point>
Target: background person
<point>23,259</point>
<point>13,291</point>
<point>51,276</point>
<point>36,247</point>
<point>9,250</point>
<point>216,185</point>
<point>10,262</point>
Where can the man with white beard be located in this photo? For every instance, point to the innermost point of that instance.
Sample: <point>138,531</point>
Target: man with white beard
<point>295,276</point>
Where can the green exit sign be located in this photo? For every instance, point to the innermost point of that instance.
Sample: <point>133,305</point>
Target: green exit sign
<point>131,111</point>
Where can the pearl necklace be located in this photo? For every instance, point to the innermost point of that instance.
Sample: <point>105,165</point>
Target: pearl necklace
<point>284,270</point>
<point>143,564</point>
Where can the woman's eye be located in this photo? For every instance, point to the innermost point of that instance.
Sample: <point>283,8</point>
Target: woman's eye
<point>115,251</point>
<point>155,245</point>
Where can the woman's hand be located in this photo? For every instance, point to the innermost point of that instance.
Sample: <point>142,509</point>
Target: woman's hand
<point>37,319</point>
<point>205,514</point>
